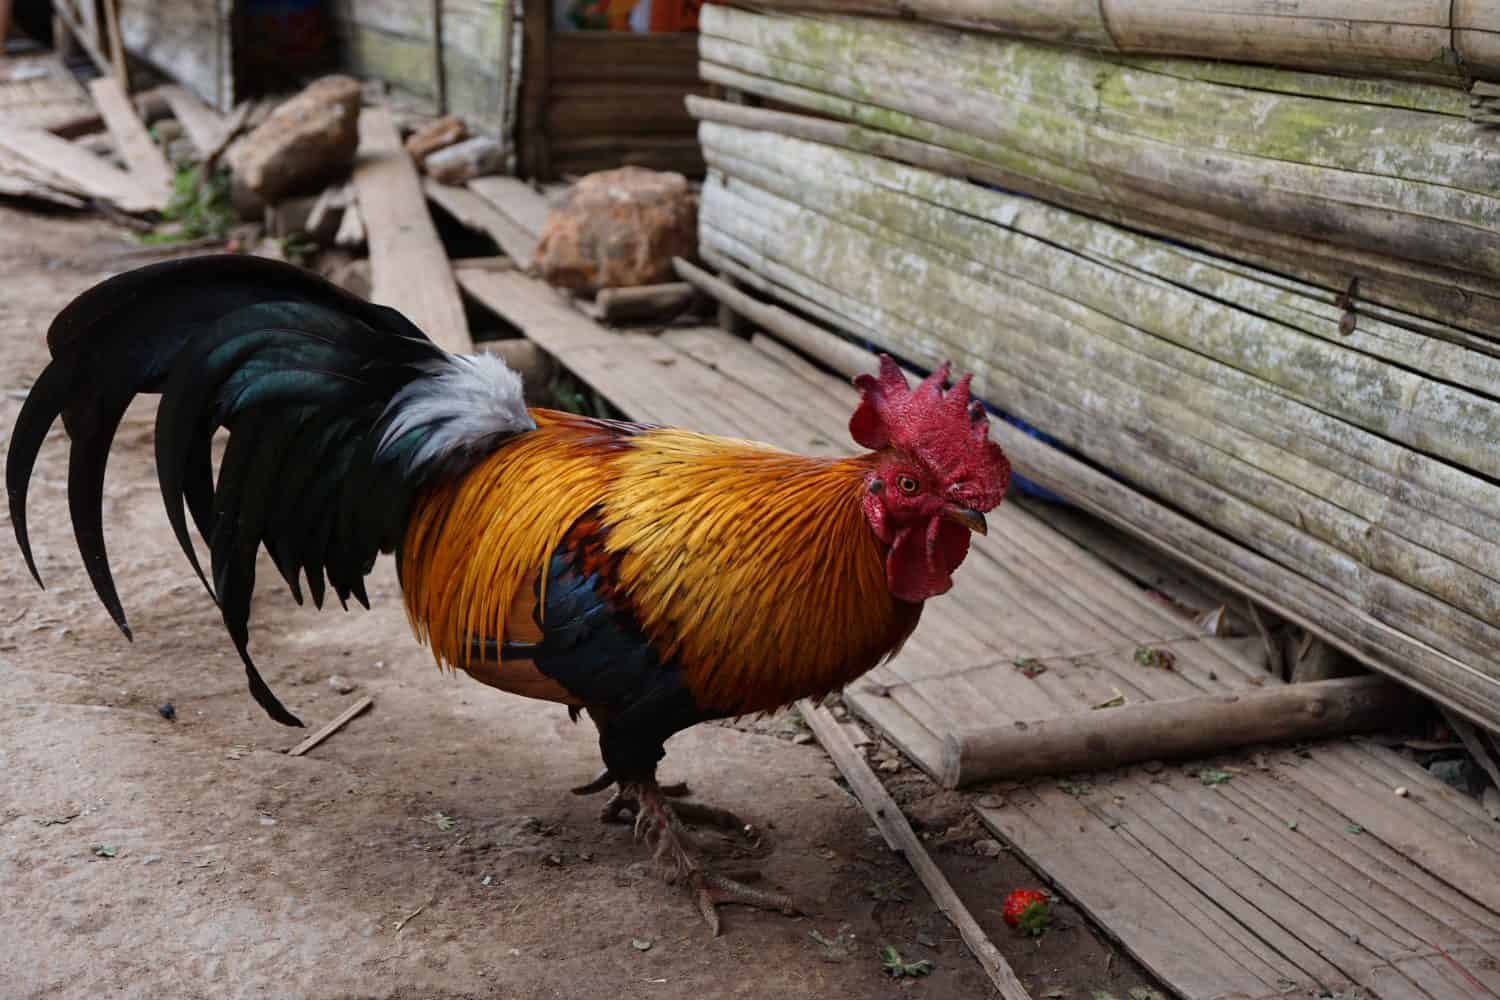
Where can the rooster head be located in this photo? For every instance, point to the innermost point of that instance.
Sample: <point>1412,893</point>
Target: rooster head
<point>935,474</point>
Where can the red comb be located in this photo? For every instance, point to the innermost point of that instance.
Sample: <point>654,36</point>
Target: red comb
<point>947,429</point>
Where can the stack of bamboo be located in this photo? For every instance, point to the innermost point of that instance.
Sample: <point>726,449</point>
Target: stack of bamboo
<point>1265,299</point>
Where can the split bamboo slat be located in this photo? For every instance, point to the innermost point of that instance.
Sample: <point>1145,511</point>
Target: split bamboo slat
<point>1423,39</point>
<point>1324,178</point>
<point>1362,462</point>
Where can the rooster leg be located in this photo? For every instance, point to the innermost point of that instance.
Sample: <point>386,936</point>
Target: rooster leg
<point>623,806</point>
<point>658,822</point>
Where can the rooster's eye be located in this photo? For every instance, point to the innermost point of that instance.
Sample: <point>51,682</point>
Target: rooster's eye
<point>907,484</point>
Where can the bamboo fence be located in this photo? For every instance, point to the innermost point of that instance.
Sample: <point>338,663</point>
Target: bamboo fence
<point>1326,179</point>
<point>1423,39</point>
<point>1357,461</point>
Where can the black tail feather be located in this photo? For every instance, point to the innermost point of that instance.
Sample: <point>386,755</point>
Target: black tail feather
<point>298,371</point>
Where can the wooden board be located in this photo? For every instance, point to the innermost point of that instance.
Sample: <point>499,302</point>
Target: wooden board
<point>515,198</point>
<point>1300,873</point>
<point>203,125</point>
<point>482,215</point>
<point>190,41</point>
<point>82,169</point>
<point>141,155</point>
<point>409,267</point>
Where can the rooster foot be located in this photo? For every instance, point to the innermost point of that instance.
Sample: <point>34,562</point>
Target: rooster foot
<point>662,823</point>
<point>605,778</point>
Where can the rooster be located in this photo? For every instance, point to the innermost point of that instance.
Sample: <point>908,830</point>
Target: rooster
<point>653,578</point>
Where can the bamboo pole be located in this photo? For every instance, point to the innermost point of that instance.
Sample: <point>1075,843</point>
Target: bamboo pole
<point>1317,542</point>
<point>1322,611</point>
<point>1430,41</point>
<point>1090,127</point>
<point>1183,727</point>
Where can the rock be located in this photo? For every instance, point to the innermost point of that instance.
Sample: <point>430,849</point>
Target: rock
<point>1461,774</point>
<point>305,142</point>
<point>342,685</point>
<point>890,766</point>
<point>469,159</point>
<point>618,228</point>
<point>435,135</point>
<point>988,848</point>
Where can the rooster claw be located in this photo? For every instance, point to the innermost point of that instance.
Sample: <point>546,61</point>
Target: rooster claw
<point>711,891</point>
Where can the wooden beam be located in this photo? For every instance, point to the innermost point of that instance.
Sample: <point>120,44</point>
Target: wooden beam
<point>898,833</point>
<point>408,263</point>
<point>143,157</point>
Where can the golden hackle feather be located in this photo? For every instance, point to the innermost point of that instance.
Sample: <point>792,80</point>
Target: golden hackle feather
<point>754,569</point>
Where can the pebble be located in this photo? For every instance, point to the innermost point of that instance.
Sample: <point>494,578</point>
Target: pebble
<point>1401,792</point>
<point>151,859</point>
<point>890,766</point>
<point>341,684</point>
<point>988,848</point>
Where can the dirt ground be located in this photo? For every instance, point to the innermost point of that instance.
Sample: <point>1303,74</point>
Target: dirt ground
<point>429,849</point>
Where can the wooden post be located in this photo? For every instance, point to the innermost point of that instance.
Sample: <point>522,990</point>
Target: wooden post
<point>439,76</point>
<point>536,72</point>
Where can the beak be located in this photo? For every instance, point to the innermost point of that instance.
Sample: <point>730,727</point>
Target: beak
<point>971,519</point>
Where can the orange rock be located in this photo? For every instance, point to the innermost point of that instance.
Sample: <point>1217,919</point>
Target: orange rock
<point>617,229</point>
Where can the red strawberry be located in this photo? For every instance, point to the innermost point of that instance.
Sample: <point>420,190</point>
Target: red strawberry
<point>1028,911</point>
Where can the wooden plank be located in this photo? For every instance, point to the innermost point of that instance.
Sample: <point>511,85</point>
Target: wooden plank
<point>515,198</point>
<point>82,169</point>
<point>141,155</point>
<point>203,125</point>
<point>480,214</point>
<point>898,833</point>
<point>409,267</point>
<point>1133,899</point>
